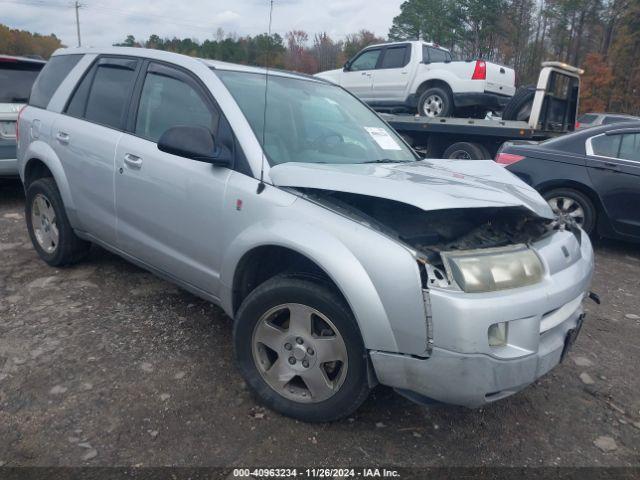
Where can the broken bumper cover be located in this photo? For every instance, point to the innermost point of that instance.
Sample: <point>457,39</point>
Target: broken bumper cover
<point>472,380</point>
<point>463,369</point>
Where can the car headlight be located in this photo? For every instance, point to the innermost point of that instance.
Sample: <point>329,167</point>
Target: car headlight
<point>494,269</point>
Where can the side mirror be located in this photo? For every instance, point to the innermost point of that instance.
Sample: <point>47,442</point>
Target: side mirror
<point>347,67</point>
<point>195,143</point>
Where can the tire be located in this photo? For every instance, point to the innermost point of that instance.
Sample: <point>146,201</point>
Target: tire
<point>435,102</point>
<point>266,305</point>
<point>466,151</point>
<point>519,107</point>
<point>579,202</point>
<point>45,215</point>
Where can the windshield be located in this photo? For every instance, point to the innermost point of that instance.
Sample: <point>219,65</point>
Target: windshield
<point>16,80</point>
<point>312,122</point>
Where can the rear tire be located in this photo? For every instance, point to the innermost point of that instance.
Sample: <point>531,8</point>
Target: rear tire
<point>49,229</point>
<point>435,102</point>
<point>575,204</point>
<point>466,151</point>
<point>271,315</point>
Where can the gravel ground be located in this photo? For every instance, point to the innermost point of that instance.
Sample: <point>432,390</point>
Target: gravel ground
<point>104,364</point>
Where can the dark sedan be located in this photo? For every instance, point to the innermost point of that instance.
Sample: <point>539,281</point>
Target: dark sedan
<point>591,175</point>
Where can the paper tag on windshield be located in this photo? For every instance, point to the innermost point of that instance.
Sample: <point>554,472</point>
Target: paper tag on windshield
<point>382,138</point>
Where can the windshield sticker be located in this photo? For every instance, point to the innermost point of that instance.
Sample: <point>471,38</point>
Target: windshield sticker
<point>382,138</point>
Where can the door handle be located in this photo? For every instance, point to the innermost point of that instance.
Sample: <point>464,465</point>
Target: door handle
<point>62,137</point>
<point>365,73</point>
<point>403,73</point>
<point>132,161</point>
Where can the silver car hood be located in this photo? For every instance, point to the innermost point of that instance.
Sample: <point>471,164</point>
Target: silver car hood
<point>426,184</point>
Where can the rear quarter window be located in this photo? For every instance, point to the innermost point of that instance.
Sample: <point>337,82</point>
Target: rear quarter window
<point>50,78</point>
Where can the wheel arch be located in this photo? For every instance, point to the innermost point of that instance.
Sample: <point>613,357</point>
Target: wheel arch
<point>41,160</point>
<point>325,258</point>
<point>433,82</point>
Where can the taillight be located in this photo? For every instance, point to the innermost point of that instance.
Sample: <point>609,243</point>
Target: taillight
<point>577,125</point>
<point>480,72</point>
<point>18,123</point>
<point>508,158</point>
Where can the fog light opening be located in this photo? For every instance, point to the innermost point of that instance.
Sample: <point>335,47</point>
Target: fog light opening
<point>498,334</point>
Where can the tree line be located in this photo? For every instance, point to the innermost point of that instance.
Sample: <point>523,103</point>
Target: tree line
<point>601,36</point>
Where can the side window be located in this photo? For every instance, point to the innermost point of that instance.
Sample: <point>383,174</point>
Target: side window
<point>395,57</point>
<point>50,78</point>
<point>366,61</point>
<point>436,55</point>
<point>104,92</point>
<point>167,101</point>
<point>630,146</point>
<point>606,145</point>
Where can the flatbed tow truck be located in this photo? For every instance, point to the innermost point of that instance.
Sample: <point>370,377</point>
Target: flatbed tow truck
<point>551,109</point>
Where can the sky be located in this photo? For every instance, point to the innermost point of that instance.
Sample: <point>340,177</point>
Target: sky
<point>104,22</point>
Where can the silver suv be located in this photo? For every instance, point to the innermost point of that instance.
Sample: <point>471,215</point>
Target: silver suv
<point>343,259</point>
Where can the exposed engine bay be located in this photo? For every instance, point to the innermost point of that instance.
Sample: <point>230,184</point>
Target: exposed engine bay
<point>432,232</point>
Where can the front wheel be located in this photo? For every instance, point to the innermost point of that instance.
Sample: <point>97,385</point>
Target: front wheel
<point>299,348</point>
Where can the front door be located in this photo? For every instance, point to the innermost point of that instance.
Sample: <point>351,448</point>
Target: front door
<point>614,168</point>
<point>358,77</point>
<point>169,207</point>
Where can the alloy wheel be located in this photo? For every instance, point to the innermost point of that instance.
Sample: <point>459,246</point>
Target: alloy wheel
<point>566,207</point>
<point>299,353</point>
<point>432,106</point>
<point>44,223</point>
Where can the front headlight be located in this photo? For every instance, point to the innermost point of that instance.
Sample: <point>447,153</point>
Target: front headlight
<point>494,269</point>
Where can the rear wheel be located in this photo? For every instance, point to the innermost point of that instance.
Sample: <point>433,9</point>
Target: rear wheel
<point>299,348</point>
<point>570,203</point>
<point>49,229</point>
<point>466,151</point>
<point>435,102</point>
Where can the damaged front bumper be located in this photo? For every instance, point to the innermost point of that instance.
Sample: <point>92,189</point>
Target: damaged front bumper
<point>463,368</point>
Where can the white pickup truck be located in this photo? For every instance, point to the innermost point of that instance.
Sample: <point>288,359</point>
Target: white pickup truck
<point>423,76</point>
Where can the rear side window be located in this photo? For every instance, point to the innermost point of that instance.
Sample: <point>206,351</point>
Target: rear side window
<point>435,55</point>
<point>395,57</point>
<point>103,94</point>
<point>166,102</point>
<point>630,146</point>
<point>16,80</point>
<point>52,75</point>
<point>606,145</point>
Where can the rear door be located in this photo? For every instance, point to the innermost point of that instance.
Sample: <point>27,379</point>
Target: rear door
<point>614,168</point>
<point>391,77</point>
<point>169,208</point>
<point>85,139</point>
<point>500,80</point>
<point>358,78</point>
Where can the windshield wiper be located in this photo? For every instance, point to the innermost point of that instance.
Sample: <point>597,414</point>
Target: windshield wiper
<point>387,160</point>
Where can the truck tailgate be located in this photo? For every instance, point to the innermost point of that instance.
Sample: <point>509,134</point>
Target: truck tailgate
<point>500,79</point>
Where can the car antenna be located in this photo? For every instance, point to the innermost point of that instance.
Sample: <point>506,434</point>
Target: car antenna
<point>261,185</point>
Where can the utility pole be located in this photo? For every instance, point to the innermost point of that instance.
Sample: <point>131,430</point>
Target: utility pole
<point>77,7</point>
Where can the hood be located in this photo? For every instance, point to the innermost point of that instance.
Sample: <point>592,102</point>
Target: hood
<point>331,75</point>
<point>426,184</point>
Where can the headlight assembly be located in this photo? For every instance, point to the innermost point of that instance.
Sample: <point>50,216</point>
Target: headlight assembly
<point>494,269</point>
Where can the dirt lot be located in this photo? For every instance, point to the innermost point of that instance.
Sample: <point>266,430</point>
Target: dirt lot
<point>104,364</point>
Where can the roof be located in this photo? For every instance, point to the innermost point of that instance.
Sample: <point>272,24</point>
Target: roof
<point>412,42</point>
<point>179,59</point>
